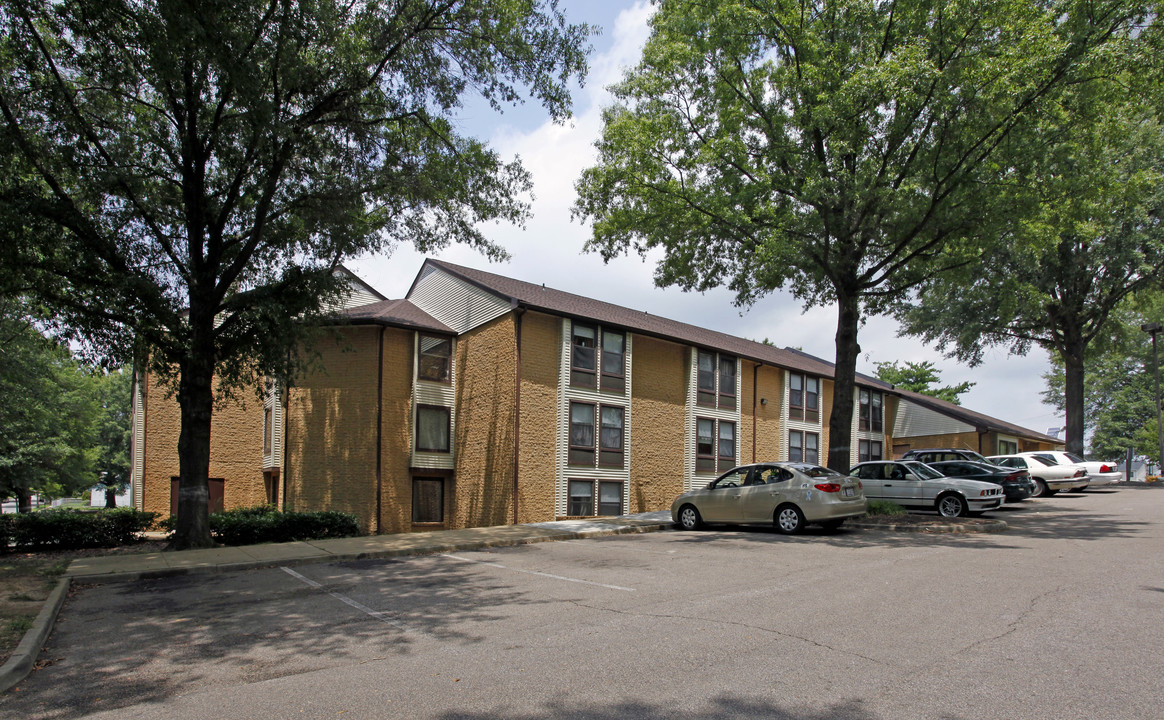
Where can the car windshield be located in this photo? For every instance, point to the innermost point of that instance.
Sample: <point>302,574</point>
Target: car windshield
<point>923,471</point>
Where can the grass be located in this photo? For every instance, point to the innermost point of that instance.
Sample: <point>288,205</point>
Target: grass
<point>27,578</point>
<point>885,507</point>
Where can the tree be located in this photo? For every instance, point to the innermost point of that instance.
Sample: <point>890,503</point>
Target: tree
<point>182,178</point>
<point>920,378</point>
<point>836,148</point>
<point>1087,231</point>
<point>47,413</point>
<point>112,464</point>
<point>1120,405</point>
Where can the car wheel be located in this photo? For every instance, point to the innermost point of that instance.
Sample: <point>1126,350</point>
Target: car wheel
<point>1040,488</point>
<point>689,518</point>
<point>789,520</point>
<point>952,506</point>
<point>833,524</point>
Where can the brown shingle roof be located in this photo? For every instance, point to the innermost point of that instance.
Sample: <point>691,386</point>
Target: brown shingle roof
<point>395,313</point>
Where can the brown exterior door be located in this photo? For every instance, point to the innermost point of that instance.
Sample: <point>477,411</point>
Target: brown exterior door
<point>216,487</point>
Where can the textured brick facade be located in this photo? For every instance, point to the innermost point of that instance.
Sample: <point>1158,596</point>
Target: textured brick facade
<point>761,426</point>
<point>396,432</point>
<point>659,387</point>
<point>540,355</point>
<point>236,449</point>
<point>486,414</point>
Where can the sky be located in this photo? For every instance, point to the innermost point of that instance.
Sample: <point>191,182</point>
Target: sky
<point>549,249</point>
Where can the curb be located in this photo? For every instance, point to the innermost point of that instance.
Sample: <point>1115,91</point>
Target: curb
<point>993,526</point>
<point>24,658</point>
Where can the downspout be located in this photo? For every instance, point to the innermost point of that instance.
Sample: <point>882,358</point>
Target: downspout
<point>518,312</point>
<point>379,428</point>
<point>284,476</point>
<point>755,422</point>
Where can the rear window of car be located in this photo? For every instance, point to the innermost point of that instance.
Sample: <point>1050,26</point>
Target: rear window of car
<point>1074,458</point>
<point>816,471</point>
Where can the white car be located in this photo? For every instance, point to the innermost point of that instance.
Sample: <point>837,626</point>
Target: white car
<point>1049,478</point>
<point>1098,473</point>
<point>910,483</point>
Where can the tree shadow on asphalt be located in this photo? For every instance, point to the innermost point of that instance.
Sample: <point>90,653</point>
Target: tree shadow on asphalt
<point>718,708</point>
<point>130,643</point>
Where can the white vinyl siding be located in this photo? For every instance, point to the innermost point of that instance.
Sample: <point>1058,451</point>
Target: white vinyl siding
<point>137,444</point>
<point>274,403</point>
<point>567,394</point>
<point>439,394</point>
<point>694,410</point>
<point>454,302</point>
<point>802,425</point>
<point>916,421</point>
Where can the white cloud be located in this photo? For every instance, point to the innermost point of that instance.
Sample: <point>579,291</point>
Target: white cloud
<point>549,250</point>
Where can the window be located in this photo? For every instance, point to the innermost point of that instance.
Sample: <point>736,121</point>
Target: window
<point>727,443</point>
<point>715,445</point>
<point>433,359</point>
<point>610,440</point>
<point>271,487</point>
<point>716,380</point>
<point>582,359</point>
<point>432,428</point>
<point>868,450</point>
<point>870,416</point>
<point>610,435</point>
<point>581,434</point>
<point>428,500</point>
<point>804,398</point>
<point>1007,447</point>
<point>803,447</point>
<point>268,430</point>
<point>727,383</point>
<point>582,494</point>
<point>613,361</point>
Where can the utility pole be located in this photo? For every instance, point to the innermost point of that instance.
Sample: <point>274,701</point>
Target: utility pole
<point>1152,329</point>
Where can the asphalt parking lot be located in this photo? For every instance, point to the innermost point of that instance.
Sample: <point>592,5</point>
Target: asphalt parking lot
<point>1059,617</point>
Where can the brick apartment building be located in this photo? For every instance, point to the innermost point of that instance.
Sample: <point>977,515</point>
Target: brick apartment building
<point>482,400</point>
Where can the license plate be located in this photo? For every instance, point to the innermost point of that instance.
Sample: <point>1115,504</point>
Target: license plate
<point>848,492</point>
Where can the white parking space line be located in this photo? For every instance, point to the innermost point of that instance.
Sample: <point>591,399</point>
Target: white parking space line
<point>353,603</point>
<point>541,574</point>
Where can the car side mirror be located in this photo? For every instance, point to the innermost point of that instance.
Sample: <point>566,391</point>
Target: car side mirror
<point>911,476</point>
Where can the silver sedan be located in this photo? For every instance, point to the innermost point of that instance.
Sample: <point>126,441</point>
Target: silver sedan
<point>788,495</point>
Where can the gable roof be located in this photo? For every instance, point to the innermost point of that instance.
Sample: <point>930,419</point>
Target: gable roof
<point>518,293</point>
<point>394,313</point>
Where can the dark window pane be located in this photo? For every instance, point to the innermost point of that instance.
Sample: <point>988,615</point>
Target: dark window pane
<point>610,498</point>
<point>727,441</point>
<point>428,500</point>
<point>433,362</point>
<point>796,446</point>
<point>613,353</point>
<point>432,429</point>
<point>583,348</point>
<point>876,421</point>
<point>796,390</point>
<point>811,451</point>
<point>581,425</point>
<point>707,372</point>
<point>612,428</point>
<point>705,438</point>
<point>581,498</point>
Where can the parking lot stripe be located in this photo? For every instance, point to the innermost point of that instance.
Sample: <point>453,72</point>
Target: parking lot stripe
<point>542,574</point>
<point>348,601</point>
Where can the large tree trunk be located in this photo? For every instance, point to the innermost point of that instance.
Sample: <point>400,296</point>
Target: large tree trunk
<point>23,500</point>
<point>196,400</point>
<point>110,498</point>
<point>1073,393</point>
<point>844,381</point>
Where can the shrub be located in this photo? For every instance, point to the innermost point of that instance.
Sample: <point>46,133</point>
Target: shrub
<point>62,529</point>
<point>248,526</point>
<point>885,507</point>
<point>5,532</point>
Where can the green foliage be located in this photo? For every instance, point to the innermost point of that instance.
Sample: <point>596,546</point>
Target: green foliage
<point>72,529</point>
<point>180,181</point>
<point>845,150</point>
<point>112,465</point>
<point>48,411</point>
<point>885,507</point>
<point>248,526</point>
<point>920,378</point>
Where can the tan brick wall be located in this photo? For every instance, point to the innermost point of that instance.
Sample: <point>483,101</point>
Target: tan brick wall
<point>766,423</point>
<point>484,436</point>
<point>890,406</point>
<point>236,449</point>
<point>826,413</point>
<point>659,387</point>
<point>331,429</point>
<point>540,354</point>
<point>396,428</point>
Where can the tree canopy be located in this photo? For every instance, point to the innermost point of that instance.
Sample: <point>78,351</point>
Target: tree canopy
<point>1086,231</point>
<point>183,178</point>
<point>840,149</point>
<point>920,378</point>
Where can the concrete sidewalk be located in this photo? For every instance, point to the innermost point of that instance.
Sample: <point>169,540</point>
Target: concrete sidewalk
<point>225,559</point>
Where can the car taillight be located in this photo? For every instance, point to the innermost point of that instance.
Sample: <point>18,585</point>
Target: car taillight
<point>828,487</point>
<point>1080,473</point>
<point>1015,475</point>
<point>1106,468</point>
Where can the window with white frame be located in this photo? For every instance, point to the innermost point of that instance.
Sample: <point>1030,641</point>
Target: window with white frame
<point>803,397</point>
<point>803,446</point>
<point>716,380</point>
<point>870,411</point>
<point>715,445</point>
